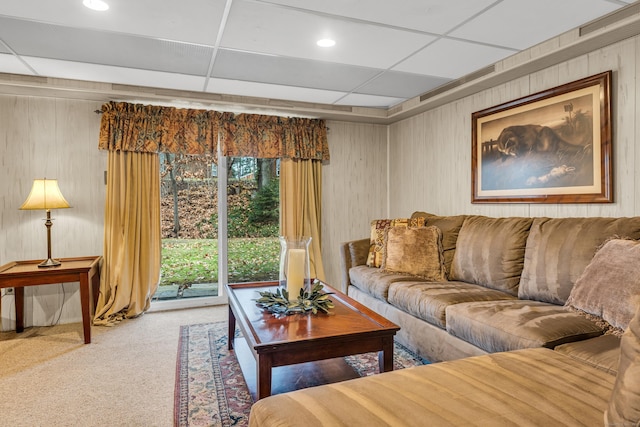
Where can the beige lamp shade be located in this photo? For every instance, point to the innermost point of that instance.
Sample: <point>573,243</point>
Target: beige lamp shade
<point>45,194</point>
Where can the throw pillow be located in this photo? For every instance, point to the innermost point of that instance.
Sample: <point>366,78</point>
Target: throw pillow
<point>605,289</point>
<point>450,228</point>
<point>624,404</point>
<point>378,228</point>
<point>415,251</point>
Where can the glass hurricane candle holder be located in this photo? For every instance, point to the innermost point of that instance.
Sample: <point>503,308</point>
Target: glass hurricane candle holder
<point>295,271</point>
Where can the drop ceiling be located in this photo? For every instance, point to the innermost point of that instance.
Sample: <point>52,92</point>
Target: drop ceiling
<point>386,52</point>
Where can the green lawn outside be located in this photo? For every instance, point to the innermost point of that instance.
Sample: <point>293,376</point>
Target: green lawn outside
<point>190,261</point>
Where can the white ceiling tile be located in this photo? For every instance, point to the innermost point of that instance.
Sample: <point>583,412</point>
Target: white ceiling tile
<point>106,48</point>
<point>434,16</point>
<point>521,24</point>
<point>398,84</point>
<point>360,100</point>
<point>262,28</point>
<point>10,64</point>
<point>195,21</point>
<point>288,71</point>
<point>452,59</point>
<point>263,90</point>
<point>108,74</point>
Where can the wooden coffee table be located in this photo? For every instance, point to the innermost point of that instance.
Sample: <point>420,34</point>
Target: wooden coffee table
<point>350,328</point>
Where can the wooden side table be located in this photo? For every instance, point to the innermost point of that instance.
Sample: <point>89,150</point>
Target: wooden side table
<point>85,270</point>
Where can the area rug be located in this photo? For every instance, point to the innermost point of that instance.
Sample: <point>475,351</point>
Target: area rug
<point>210,389</point>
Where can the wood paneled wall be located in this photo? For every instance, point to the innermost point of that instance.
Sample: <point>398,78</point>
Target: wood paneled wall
<point>430,154</point>
<point>354,187</point>
<point>52,138</point>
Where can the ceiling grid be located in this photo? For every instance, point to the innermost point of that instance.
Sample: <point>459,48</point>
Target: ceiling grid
<point>386,53</point>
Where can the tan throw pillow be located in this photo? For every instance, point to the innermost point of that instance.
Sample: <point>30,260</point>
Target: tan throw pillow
<point>416,251</point>
<point>378,229</point>
<point>624,404</point>
<point>450,228</point>
<point>605,289</point>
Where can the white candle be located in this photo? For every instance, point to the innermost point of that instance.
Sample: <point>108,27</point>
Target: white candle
<point>295,272</point>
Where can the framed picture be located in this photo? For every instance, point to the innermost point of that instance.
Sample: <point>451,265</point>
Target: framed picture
<point>550,147</point>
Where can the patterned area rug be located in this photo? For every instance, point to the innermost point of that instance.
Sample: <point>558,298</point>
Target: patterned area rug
<point>210,389</point>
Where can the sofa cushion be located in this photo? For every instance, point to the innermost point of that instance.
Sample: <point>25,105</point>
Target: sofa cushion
<point>605,289</point>
<point>624,405</point>
<point>428,301</point>
<point>535,387</point>
<point>416,251</point>
<point>450,227</point>
<point>559,249</point>
<point>490,252</point>
<point>601,352</point>
<point>378,229</point>
<point>510,325</point>
<point>375,281</point>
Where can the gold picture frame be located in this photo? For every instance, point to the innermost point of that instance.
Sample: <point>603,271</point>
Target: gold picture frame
<point>550,147</point>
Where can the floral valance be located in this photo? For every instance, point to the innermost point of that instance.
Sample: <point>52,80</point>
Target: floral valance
<point>253,135</point>
<point>152,128</point>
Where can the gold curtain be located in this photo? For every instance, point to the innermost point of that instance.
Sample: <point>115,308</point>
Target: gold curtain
<point>300,206</point>
<point>131,271</point>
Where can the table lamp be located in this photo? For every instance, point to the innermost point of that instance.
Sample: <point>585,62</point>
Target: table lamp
<point>46,195</point>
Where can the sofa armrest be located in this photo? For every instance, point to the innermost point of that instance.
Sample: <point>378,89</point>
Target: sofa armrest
<point>352,253</point>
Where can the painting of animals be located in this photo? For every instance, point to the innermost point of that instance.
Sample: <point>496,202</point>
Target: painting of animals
<point>552,147</point>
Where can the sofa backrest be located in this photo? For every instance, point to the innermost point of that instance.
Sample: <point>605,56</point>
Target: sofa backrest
<point>490,252</point>
<point>559,249</point>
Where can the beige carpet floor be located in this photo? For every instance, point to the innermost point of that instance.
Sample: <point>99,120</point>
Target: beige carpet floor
<point>125,377</point>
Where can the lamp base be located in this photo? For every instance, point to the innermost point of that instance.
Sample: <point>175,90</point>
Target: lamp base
<point>49,263</point>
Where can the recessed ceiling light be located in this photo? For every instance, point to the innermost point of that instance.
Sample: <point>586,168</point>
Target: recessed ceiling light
<point>96,5</point>
<point>326,43</point>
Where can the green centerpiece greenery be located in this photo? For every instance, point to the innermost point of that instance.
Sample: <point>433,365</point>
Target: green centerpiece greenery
<point>307,302</point>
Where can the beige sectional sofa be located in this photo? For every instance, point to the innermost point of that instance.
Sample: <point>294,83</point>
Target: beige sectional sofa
<point>525,295</point>
<point>508,281</point>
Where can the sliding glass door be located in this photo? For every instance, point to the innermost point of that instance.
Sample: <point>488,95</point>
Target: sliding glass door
<point>219,224</point>
<point>253,208</point>
<point>189,224</point>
